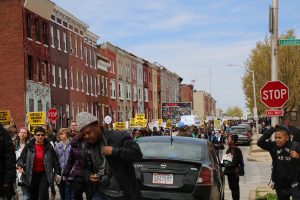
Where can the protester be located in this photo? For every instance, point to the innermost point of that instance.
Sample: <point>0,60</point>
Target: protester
<point>182,130</point>
<point>109,158</point>
<point>285,161</point>
<point>219,143</point>
<point>73,128</point>
<point>234,165</point>
<point>7,165</point>
<point>12,130</point>
<point>137,135</point>
<point>155,132</point>
<point>62,150</point>
<point>73,172</point>
<point>39,164</point>
<point>22,140</point>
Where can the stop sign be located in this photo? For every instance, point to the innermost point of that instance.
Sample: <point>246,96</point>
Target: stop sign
<point>274,94</point>
<point>52,114</point>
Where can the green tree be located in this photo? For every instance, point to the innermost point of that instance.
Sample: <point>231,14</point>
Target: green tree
<point>289,72</point>
<point>234,111</point>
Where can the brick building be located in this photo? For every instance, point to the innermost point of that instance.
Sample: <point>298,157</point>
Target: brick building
<point>186,93</point>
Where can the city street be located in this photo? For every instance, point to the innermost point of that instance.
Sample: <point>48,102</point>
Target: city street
<point>256,173</point>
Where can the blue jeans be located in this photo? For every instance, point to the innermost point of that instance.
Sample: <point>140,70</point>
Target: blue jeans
<point>100,196</point>
<point>25,192</point>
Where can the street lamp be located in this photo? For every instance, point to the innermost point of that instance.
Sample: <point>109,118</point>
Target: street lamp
<point>254,94</point>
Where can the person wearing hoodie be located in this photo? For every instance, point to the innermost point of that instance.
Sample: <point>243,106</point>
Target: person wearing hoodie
<point>39,163</point>
<point>285,161</point>
<point>62,150</point>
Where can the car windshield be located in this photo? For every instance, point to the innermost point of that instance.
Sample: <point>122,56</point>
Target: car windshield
<point>238,130</point>
<point>194,152</point>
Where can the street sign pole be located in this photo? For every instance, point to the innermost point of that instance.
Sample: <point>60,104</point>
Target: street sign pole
<point>274,66</point>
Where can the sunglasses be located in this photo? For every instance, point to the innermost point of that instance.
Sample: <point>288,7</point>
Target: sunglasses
<point>40,135</point>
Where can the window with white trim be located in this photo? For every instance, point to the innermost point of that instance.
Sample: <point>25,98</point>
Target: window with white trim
<point>121,95</point>
<point>106,87</point>
<point>128,92</point>
<point>98,80</point>
<point>85,54</point>
<point>66,79</point>
<point>81,82</point>
<point>58,39</point>
<point>77,76</point>
<point>65,41</point>
<point>102,88</point>
<point>146,94</point>
<point>71,77</point>
<point>75,46</point>
<point>134,93</point>
<point>59,77</point>
<point>91,85</point>
<point>81,49</point>
<point>71,46</point>
<point>87,84</point>
<point>113,89</point>
<point>95,85</point>
<point>91,64</point>
<point>52,36</point>
<point>53,76</point>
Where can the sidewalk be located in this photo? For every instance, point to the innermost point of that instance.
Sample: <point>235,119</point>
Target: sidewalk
<point>260,192</point>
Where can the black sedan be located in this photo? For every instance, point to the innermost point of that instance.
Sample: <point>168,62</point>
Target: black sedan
<point>178,168</point>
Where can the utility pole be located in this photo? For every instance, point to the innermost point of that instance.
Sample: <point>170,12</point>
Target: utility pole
<point>274,36</point>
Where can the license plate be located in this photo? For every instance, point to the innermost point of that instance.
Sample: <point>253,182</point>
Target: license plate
<point>162,179</point>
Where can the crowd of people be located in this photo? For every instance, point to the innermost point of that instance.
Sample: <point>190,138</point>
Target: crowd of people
<point>88,160</point>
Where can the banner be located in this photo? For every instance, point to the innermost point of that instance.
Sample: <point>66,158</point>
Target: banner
<point>121,126</point>
<point>5,117</point>
<point>139,117</point>
<point>132,122</point>
<point>217,124</point>
<point>36,118</point>
<point>160,121</point>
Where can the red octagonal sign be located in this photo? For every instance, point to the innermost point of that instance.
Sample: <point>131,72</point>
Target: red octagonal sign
<point>52,114</point>
<point>274,94</point>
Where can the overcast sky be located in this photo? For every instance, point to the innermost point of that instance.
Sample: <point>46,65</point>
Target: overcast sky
<point>189,37</point>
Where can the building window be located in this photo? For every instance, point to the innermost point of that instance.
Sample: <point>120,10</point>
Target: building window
<point>66,79</point>
<point>106,87</point>
<point>128,92</point>
<point>95,85</point>
<point>81,82</point>
<point>81,49</point>
<point>134,93</point>
<point>85,54</point>
<point>71,46</point>
<point>71,77</point>
<point>293,116</point>
<point>65,41</point>
<point>45,35</point>
<point>37,29</point>
<point>95,60</point>
<point>73,111</point>
<point>77,77</point>
<point>53,75</point>
<point>52,36</point>
<point>28,25</point>
<point>59,77</point>
<point>98,87</point>
<point>39,70</point>
<point>91,64</point>
<point>30,67</point>
<point>31,105</point>
<point>87,84</point>
<point>121,91</point>
<point>102,88</point>
<point>91,85</point>
<point>58,39</point>
<point>40,105</point>
<point>112,89</point>
<point>76,46</point>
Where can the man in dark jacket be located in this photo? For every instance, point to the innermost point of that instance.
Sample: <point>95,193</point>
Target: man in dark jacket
<point>285,160</point>
<point>7,164</point>
<point>109,157</point>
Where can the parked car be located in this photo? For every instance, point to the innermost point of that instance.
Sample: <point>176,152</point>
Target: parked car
<point>179,168</point>
<point>244,136</point>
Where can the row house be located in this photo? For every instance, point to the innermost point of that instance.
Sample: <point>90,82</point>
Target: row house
<point>54,61</point>
<point>203,104</point>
